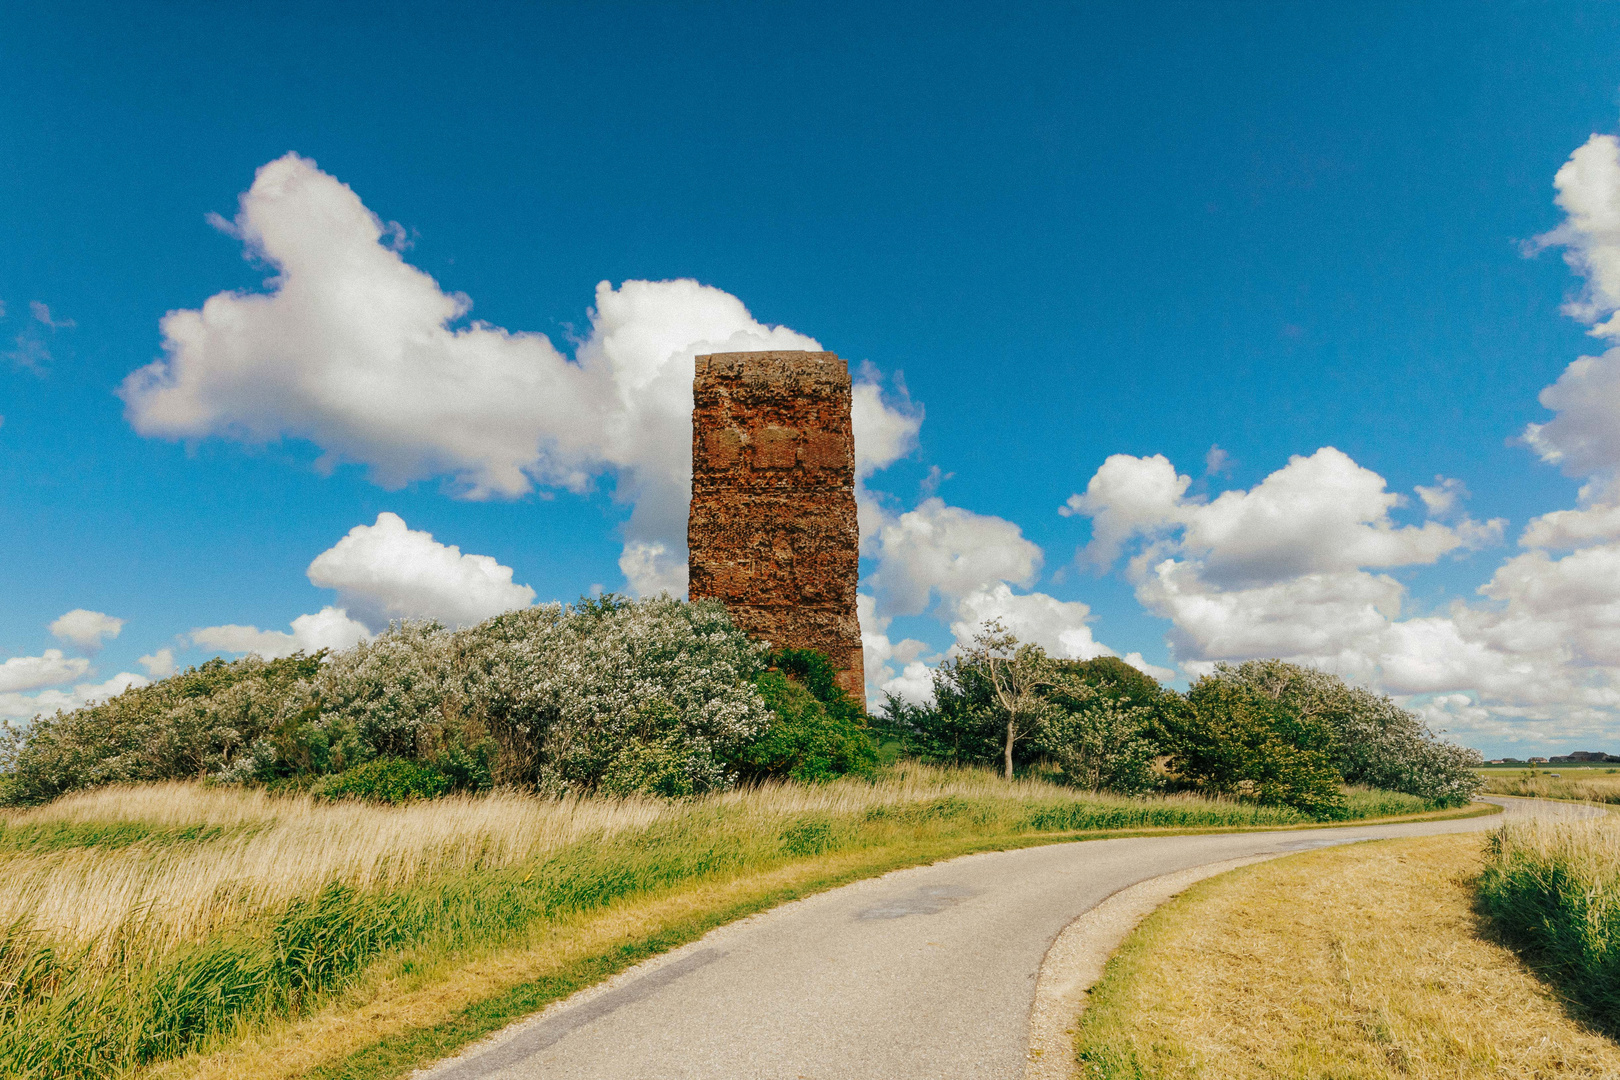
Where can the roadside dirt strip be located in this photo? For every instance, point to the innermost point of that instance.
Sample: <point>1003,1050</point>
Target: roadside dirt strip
<point>924,973</point>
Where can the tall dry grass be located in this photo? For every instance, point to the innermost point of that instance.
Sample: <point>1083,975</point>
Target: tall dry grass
<point>135,923</point>
<point>1553,888</point>
<point>257,852</point>
<point>1596,787</point>
<point>210,858</point>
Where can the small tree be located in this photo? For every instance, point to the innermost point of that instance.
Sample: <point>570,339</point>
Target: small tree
<point>1099,741</point>
<point>1018,674</point>
<point>1231,739</point>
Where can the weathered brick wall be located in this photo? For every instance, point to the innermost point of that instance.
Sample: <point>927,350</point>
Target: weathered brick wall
<point>772,531</point>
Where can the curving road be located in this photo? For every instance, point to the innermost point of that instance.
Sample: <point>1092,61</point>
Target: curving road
<point>925,973</point>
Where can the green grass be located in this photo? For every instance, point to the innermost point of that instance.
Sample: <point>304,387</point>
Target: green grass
<point>135,996</point>
<point>1553,889</point>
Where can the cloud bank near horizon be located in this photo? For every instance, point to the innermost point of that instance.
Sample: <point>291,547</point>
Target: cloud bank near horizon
<point>1290,567</point>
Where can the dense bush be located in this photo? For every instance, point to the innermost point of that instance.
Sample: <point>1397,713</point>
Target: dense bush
<point>1552,888</point>
<point>197,723</point>
<point>959,727</point>
<point>1376,742</point>
<point>389,780</point>
<point>1227,738</point>
<point>1099,726</point>
<point>613,689</point>
<point>816,731</point>
<point>1102,743</point>
<point>656,696</point>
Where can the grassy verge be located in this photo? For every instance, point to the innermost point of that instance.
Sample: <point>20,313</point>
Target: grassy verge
<point>185,931</point>
<point>1579,786</point>
<point>1553,889</point>
<point>1368,961</point>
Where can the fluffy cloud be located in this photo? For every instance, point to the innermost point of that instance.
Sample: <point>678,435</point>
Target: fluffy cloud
<point>389,571</point>
<point>381,572</point>
<point>32,672</point>
<point>1319,514</point>
<point>1588,187</point>
<point>1584,438</point>
<point>86,629</point>
<point>329,628</point>
<point>15,706</point>
<point>160,664</point>
<point>358,352</point>
<point>1285,568</point>
<point>945,551</point>
<point>885,430</point>
<point>896,668</point>
<point>1058,626</point>
<point>1276,571</point>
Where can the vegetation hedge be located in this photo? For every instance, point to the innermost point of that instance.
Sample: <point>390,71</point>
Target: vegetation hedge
<point>609,694</point>
<point>669,698</point>
<point>1279,733</point>
<point>1553,889</point>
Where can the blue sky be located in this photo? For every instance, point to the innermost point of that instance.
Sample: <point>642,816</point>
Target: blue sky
<point>1066,233</point>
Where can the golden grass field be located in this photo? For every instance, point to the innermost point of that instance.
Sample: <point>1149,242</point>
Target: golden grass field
<point>1366,961</point>
<point>353,940</point>
<point>1580,785</point>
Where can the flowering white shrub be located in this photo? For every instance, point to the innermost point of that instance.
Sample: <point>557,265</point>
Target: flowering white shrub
<point>665,686</point>
<point>1379,744</point>
<point>197,723</point>
<point>655,695</point>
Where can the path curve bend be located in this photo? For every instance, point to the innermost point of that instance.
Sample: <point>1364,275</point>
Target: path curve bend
<point>923,973</point>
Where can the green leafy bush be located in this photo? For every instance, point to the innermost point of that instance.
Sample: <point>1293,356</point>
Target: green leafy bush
<point>960,725</point>
<point>387,780</point>
<point>1553,889</point>
<point>1102,744</point>
<point>1099,727</point>
<point>1376,742</point>
<point>1230,739</point>
<point>805,739</point>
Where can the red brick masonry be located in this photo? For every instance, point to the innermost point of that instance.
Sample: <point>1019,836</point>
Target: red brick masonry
<point>772,531</point>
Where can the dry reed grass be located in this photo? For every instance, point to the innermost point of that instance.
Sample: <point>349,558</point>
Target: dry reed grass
<point>1359,962</point>
<point>1597,787</point>
<point>266,850</point>
<point>273,849</point>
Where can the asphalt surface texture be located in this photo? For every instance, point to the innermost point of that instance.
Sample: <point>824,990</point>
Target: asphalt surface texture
<point>924,973</point>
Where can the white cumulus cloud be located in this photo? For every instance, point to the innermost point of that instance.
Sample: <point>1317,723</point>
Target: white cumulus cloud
<point>86,629</point>
<point>329,628</point>
<point>1058,626</point>
<point>360,353</point>
<point>387,571</point>
<point>939,550</point>
<point>1319,514</point>
<point>160,664</point>
<point>32,672</point>
<point>14,706</point>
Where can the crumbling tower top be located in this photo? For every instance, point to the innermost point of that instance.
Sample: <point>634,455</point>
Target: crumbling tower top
<point>772,531</point>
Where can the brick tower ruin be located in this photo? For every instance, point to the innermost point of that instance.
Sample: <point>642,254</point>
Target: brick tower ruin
<point>772,531</point>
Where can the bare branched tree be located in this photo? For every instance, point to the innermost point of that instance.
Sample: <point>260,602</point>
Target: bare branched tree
<point>1018,673</point>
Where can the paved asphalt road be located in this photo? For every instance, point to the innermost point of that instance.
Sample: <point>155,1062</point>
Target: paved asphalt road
<point>925,973</point>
